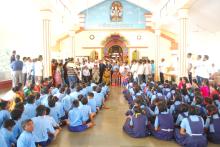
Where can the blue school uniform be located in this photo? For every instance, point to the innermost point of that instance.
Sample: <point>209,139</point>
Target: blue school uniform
<point>17,129</point>
<point>66,101</point>
<point>44,100</point>
<point>136,126</point>
<point>41,129</point>
<point>54,91</point>
<point>194,126</point>
<point>74,95</point>
<point>2,141</point>
<point>99,99</point>
<point>8,136</point>
<point>29,111</point>
<point>186,99</point>
<point>4,115</point>
<point>89,89</point>
<point>86,111</point>
<point>76,121</point>
<point>26,139</point>
<point>164,121</point>
<point>60,96</point>
<point>60,109</point>
<point>173,107</point>
<point>180,117</point>
<point>84,92</point>
<point>213,126</point>
<point>92,104</point>
<point>54,112</point>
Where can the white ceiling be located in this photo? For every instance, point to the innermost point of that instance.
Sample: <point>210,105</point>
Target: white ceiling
<point>205,15</point>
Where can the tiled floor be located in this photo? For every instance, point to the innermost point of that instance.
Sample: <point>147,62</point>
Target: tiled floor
<point>108,130</point>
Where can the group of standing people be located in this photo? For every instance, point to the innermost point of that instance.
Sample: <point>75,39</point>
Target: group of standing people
<point>26,70</point>
<point>99,71</point>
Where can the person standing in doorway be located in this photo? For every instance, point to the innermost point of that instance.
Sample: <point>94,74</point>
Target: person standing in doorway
<point>198,66</point>
<point>162,68</point>
<point>17,66</point>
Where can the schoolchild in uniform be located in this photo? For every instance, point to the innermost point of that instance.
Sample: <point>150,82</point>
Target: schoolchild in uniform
<point>4,113</point>
<point>26,139</point>
<point>136,125</point>
<point>92,102</point>
<point>7,133</point>
<point>61,94</point>
<point>212,124</point>
<point>2,140</point>
<point>177,101</point>
<point>54,112</point>
<point>74,95</point>
<point>43,132</point>
<point>44,96</point>
<point>86,111</point>
<point>216,100</point>
<point>66,101</point>
<point>99,98</point>
<point>51,120</point>
<point>198,102</point>
<point>30,107</point>
<point>37,99</point>
<point>183,113</point>
<point>191,132</point>
<point>55,90</point>
<point>163,126</point>
<point>16,116</point>
<point>76,119</point>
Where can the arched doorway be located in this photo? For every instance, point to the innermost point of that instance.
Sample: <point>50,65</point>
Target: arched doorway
<point>115,47</point>
<point>115,52</point>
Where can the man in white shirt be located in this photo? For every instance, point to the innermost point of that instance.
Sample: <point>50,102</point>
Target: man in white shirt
<point>162,68</point>
<point>213,70</point>
<point>205,68</point>
<point>147,70</point>
<point>140,72</point>
<point>134,67</point>
<point>198,69</point>
<point>189,66</point>
<point>39,69</point>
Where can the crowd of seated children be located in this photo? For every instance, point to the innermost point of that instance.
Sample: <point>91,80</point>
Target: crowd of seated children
<point>187,113</point>
<point>36,115</point>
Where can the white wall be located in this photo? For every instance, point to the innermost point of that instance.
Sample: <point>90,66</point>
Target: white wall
<point>205,43</point>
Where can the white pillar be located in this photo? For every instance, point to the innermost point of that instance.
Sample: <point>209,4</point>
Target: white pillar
<point>46,41</point>
<point>156,53</point>
<point>72,37</point>
<point>183,41</point>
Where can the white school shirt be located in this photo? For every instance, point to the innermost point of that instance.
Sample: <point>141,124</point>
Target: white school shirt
<point>189,62</point>
<point>147,69</point>
<point>198,66</point>
<point>162,67</point>
<point>24,69</point>
<point>38,68</point>
<point>140,69</point>
<point>205,69</point>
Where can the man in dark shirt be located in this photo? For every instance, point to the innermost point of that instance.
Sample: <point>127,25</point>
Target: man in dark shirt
<point>12,59</point>
<point>101,70</point>
<point>17,66</point>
